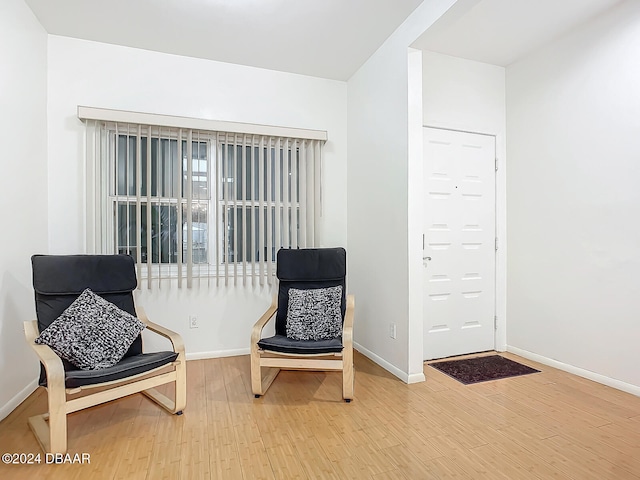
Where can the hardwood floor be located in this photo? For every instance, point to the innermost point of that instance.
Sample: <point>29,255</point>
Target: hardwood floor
<point>546,425</point>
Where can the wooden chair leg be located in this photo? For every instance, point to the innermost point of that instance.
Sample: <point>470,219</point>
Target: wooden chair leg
<point>256,372</point>
<point>179,402</point>
<point>347,375</point>
<point>261,382</point>
<point>50,429</point>
<point>261,377</point>
<point>269,375</point>
<point>57,417</point>
<point>181,387</point>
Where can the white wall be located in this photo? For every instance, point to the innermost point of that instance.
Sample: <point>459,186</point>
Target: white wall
<point>108,76</point>
<point>463,94</point>
<point>23,190</point>
<point>573,127</point>
<point>470,96</point>
<point>381,250</point>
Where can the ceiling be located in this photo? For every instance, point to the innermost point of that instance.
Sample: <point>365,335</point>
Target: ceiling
<point>500,32</point>
<point>322,38</point>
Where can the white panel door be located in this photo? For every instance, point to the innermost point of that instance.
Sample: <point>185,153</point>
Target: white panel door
<point>459,243</point>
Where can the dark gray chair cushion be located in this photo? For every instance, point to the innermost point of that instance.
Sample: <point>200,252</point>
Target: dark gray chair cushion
<point>59,279</point>
<point>280,343</point>
<point>305,269</point>
<point>127,367</point>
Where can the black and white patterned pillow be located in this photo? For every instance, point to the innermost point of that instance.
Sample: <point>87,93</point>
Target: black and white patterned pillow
<point>92,333</point>
<point>314,314</point>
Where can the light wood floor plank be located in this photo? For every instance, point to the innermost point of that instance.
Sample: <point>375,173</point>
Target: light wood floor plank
<point>547,425</point>
<point>610,448</point>
<point>589,464</point>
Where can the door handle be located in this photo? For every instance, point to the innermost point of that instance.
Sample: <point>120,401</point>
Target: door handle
<point>428,259</point>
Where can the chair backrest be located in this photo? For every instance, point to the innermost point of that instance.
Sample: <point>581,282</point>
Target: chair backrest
<point>305,269</point>
<point>59,279</point>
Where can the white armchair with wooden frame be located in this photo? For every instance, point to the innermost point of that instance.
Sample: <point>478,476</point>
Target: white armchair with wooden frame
<point>313,320</point>
<point>58,281</point>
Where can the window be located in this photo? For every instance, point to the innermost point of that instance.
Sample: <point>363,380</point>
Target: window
<point>151,224</point>
<point>192,203</point>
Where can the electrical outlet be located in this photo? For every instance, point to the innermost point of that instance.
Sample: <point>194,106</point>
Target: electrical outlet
<point>392,330</point>
<point>193,322</point>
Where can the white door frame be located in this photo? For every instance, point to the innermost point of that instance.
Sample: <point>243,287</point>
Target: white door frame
<point>500,340</point>
<point>491,137</point>
<point>415,220</point>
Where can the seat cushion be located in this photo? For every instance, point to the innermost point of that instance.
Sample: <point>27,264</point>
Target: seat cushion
<point>280,343</point>
<point>127,367</point>
<point>92,333</point>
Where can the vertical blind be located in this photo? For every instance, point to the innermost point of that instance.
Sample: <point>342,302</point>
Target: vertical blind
<point>200,206</point>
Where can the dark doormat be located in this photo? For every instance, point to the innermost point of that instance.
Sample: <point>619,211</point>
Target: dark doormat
<point>482,369</point>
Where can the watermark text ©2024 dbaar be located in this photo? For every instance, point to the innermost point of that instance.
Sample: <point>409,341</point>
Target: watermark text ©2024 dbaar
<point>47,458</point>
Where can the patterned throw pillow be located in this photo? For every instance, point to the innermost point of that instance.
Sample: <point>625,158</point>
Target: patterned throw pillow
<point>314,314</point>
<point>92,333</point>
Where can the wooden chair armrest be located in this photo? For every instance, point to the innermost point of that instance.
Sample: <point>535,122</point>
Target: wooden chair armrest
<point>347,326</point>
<point>256,332</point>
<point>50,359</point>
<point>173,337</point>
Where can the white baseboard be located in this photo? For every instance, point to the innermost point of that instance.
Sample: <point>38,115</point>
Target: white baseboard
<point>416,378</point>
<point>405,377</point>
<point>218,354</point>
<point>20,397</point>
<point>596,377</point>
